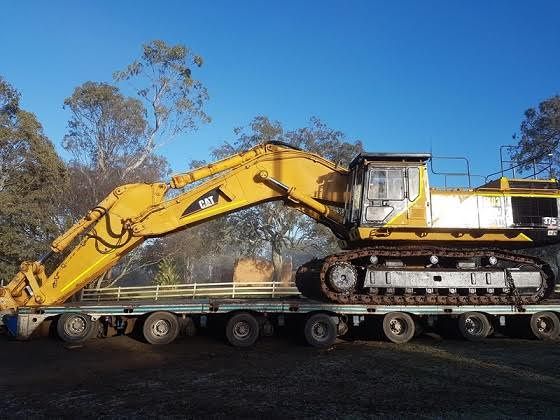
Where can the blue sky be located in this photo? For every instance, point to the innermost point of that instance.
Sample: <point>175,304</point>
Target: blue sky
<point>454,77</point>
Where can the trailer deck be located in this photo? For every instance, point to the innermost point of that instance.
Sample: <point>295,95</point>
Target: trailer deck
<point>27,319</point>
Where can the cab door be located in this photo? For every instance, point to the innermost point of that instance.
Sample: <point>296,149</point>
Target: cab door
<point>396,196</point>
<point>385,196</point>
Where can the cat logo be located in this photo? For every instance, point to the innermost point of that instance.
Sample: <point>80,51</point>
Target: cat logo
<point>207,200</point>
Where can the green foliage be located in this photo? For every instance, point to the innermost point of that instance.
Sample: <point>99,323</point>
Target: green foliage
<point>108,140</point>
<point>274,227</point>
<point>32,177</point>
<point>163,75</point>
<point>316,137</point>
<point>106,128</point>
<point>113,138</point>
<point>540,135</point>
<point>167,273</point>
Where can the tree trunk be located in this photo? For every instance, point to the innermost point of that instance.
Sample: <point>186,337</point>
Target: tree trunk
<point>277,261</point>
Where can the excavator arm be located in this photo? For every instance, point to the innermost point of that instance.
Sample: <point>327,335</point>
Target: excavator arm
<point>134,212</point>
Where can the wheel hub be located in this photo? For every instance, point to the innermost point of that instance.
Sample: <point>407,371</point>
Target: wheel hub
<point>473,326</point>
<point>241,329</point>
<point>75,326</point>
<point>161,328</point>
<point>319,330</point>
<point>397,326</point>
<point>544,324</point>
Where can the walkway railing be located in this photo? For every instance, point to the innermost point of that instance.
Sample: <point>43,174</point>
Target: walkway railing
<point>194,290</point>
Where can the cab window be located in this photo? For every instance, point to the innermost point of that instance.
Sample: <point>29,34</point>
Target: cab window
<point>356,196</point>
<point>413,183</point>
<point>386,184</point>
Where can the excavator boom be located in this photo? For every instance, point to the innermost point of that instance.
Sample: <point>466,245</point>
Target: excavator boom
<point>131,213</point>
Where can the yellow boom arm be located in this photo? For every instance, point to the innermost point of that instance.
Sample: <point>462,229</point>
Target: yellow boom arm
<point>134,212</point>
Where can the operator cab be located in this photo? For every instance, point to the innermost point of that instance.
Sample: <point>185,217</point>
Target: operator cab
<point>383,186</point>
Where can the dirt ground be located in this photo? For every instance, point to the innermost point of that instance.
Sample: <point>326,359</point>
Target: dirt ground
<point>203,377</point>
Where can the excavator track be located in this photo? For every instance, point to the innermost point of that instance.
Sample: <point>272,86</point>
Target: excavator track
<point>311,278</point>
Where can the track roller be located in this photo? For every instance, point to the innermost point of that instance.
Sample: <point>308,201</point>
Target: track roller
<point>474,326</point>
<point>399,327</point>
<point>546,326</point>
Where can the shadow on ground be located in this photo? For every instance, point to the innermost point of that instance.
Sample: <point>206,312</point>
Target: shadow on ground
<point>203,377</point>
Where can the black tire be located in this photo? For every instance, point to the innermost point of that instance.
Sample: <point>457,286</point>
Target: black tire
<point>320,331</point>
<point>546,326</point>
<point>242,330</point>
<point>160,328</point>
<point>399,327</point>
<point>187,327</point>
<point>474,326</point>
<point>74,327</point>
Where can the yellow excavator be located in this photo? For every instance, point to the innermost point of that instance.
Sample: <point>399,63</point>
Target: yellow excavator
<point>404,241</point>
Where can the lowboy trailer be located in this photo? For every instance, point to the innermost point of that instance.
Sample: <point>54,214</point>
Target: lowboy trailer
<point>245,320</point>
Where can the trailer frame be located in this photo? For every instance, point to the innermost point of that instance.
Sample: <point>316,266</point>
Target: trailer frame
<point>26,320</point>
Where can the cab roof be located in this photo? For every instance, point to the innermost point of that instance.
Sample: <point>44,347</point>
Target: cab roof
<point>364,158</point>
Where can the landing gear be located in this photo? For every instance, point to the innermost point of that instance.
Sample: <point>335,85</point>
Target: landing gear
<point>74,327</point>
<point>399,327</point>
<point>546,326</point>
<point>474,326</point>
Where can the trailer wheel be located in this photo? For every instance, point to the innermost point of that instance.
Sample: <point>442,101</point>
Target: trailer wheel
<point>320,331</point>
<point>160,328</point>
<point>242,330</point>
<point>74,327</point>
<point>474,326</point>
<point>546,326</point>
<point>399,327</point>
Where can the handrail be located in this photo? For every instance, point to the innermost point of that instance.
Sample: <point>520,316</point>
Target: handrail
<point>467,174</point>
<point>515,164</point>
<point>192,290</point>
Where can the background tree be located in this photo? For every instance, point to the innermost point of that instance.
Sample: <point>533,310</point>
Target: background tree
<point>538,141</point>
<point>173,99</point>
<point>106,137</point>
<point>199,253</point>
<point>539,135</point>
<point>32,177</point>
<point>167,273</point>
<point>273,227</point>
<point>113,137</point>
